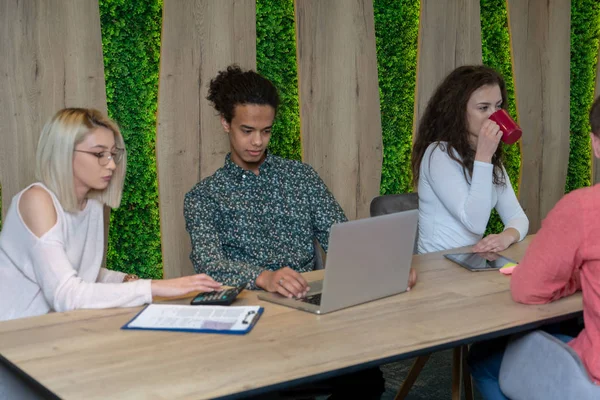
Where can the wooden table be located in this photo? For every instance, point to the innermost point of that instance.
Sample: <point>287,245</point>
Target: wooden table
<point>84,355</point>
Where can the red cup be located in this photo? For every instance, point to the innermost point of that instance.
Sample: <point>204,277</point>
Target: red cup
<point>510,130</point>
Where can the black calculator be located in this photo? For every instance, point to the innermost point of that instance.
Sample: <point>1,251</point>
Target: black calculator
<point>222,298</point>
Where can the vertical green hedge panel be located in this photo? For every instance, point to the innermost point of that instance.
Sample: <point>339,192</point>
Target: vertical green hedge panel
<point>585,29</point>
<point>276,60</point>
<point>495,46</point>
<point>131,45</point>
<point>396,32</point>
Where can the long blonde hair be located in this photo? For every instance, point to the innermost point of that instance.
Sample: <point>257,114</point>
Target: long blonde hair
<point>54,156</point>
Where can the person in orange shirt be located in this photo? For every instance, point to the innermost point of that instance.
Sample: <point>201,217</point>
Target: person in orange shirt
<point>563,258</point>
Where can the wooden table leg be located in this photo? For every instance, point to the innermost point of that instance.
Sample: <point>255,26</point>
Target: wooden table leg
<point>467,382</point>
<point>414,372</point>
<point>456,370</point>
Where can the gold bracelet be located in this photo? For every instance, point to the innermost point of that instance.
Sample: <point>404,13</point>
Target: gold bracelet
<point>130,277</point>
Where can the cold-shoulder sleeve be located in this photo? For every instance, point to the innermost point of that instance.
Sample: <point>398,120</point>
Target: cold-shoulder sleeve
<point>64,290</point>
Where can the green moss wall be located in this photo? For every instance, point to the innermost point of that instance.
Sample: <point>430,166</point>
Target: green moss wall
<point>131,46</point>
<point>396,35</point>
<point>585,31</point>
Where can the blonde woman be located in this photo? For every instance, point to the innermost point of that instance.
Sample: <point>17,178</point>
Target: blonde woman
<point>52,241</point>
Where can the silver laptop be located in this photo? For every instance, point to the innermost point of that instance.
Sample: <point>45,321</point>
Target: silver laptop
<point>368,259</point>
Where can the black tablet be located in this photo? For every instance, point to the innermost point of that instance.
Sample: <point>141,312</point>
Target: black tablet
<point>480,261</point>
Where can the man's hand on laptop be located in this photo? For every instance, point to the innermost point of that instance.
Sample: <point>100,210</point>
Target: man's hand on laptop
<point>412,278</point>
<point>284,281</point>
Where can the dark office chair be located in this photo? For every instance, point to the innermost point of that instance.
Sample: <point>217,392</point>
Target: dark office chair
<point>319,255</point>
<point>393,203</point>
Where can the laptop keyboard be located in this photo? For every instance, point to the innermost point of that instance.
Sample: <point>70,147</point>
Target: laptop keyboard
<point>313,299</point>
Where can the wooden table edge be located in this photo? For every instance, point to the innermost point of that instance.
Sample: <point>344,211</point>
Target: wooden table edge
<point>27,380</point>
<point>413,354</point>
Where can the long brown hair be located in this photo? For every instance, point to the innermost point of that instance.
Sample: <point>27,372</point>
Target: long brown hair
<point>445,119</point>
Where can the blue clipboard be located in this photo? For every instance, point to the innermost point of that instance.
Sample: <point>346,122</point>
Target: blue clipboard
<point>209,326</point>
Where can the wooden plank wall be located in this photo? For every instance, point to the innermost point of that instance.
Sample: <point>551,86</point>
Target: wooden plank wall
<point>199,38</point>
<point>51,59</point>
<point>449,36</point>
<point>339,98</point>
<point>540,38</point>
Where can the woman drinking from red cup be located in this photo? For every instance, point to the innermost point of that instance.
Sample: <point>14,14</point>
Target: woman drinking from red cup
<point>457,162</point>
<point>510,130</point>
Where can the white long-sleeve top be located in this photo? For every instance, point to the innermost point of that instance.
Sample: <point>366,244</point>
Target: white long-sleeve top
<point>454,212</point>
<point>61,270</point>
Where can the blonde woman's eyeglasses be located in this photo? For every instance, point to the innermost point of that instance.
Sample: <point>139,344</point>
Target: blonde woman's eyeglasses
<point>104,157</point>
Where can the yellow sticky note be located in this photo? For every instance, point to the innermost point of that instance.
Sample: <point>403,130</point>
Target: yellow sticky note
<point>508,268</point>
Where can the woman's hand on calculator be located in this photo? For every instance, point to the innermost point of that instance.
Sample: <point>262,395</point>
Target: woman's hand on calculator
<point>184,285</point>
<point>284,281</point>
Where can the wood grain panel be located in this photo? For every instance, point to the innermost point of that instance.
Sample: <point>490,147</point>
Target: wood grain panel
<point>540,39</point>
<point>199,38</point>
<point>51,58</point>
<point>339,98</point>
<point>595,162</point>
<point>449,36</point>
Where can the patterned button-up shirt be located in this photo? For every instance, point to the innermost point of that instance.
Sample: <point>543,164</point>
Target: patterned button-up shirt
<point>242,224</point>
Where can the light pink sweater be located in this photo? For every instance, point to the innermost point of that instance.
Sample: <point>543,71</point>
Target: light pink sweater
<point>60,271</point>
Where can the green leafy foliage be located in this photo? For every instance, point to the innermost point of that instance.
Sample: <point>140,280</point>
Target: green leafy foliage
<point>495,48</point>
<point>131,45</point>
<point>276,60</point>
<point>585,30</point>
<point>396,33</point>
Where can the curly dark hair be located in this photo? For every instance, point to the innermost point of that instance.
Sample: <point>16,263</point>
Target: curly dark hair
<point>445,119</point>
<point>595,117</point>
<point>234,87</point>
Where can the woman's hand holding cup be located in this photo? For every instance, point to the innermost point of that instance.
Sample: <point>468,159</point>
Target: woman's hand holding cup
<point>487,141</point>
